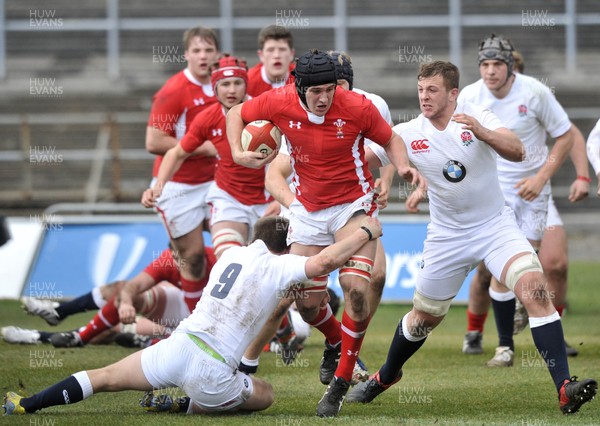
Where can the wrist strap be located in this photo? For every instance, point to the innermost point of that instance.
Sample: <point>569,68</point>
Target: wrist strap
<point>584,178</point>
<point>364,228</point>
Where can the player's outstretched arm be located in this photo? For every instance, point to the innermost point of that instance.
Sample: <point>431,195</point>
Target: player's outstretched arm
<point>531,186</point>
<point>581,185</point>
<point>396,151</point>
<point>337,254</point>
<point>158,142</point>
<point>276,180</point>
<point>593,151</point>
<point>383,185</point>
<point>132,288</point>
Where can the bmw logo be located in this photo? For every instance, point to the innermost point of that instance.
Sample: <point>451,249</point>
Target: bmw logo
<point>454,171</point>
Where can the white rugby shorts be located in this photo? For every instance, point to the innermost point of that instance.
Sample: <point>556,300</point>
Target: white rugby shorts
<point>182,207</point>
<point>211,384</point>
<point>449,254</point>
<point>225,207</point>
<point>531,215</point>
<point>554,218</point>
<point>318,228</point>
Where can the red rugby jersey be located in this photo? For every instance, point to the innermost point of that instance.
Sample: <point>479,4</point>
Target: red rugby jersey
<point>327,153</point>
<point>174,107</point>
<point>164,268</point>
<point>242,183</point>
<point>258,85</point>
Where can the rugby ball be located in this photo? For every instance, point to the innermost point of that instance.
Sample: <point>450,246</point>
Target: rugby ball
<point>261,136</point>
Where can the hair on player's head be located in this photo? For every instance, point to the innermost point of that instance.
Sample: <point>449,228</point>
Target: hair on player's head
<point>447,70</point>
<point>519,64</point>
<point>272,230</point>
<point>205,34</point>
<point>275,32</point>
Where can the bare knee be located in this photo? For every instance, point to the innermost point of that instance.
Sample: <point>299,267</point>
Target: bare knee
<point>377,282</point>
<point>556,267</point>
<point>534,293</point>
<point>262,396</point>
<point>421,324</point>
<point>357,300</point>
<point>309,306</point>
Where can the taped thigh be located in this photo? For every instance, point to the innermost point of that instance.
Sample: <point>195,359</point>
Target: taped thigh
<point>313,285</point>
<point>227,238</point>
<point>360,266</point>
<point>436,308</point>
<point>521,266</point>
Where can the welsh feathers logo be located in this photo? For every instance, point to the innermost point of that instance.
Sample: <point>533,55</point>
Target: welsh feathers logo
<point>467,138</point>
<point>339,123</point>
<point>522,110</point>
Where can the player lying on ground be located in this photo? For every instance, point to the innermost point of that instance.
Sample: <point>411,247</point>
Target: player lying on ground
<point>202,355</point>
<point>150,293</point>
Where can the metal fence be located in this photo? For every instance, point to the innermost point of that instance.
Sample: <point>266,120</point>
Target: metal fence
<point>457,19</point>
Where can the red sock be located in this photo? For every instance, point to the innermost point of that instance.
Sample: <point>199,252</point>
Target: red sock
<point>106,318</point>
<point>284,323</point>
<point>192,291</point>
<point>475,322</point>
<point>353,333</point>
<point>560,309</point>
<point>155,340</point>
<point>285,332</point>
<point>327,324</point>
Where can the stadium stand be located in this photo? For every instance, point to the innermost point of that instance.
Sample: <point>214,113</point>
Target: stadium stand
<point>71,122</point>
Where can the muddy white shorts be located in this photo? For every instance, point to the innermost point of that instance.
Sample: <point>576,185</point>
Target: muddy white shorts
<point>179,361</point>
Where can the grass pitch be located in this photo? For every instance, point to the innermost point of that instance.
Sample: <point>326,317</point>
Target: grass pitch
<point>441,386</point>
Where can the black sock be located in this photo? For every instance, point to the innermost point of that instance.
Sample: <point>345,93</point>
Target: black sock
<point>45,336</point>
<point>400,351</point>
<point>68,391</point>
<point>184,403</point>
<point>80,304</point>
<point>504,313</point>
<point>549,341</point>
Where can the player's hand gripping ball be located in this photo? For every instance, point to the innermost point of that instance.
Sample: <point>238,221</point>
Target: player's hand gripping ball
<point>261,136</point>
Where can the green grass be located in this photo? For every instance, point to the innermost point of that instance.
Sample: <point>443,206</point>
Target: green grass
<point>440,385</point>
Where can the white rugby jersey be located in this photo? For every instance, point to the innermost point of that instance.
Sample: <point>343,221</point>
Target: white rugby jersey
<point>593,147</point>
<point>530,110</point>
<point>245,286</point>
<point>460,169</point>
<point>379,103</point>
